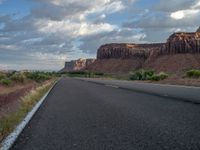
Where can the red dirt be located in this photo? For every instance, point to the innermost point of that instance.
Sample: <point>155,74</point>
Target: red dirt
<point>175,63</point>
<point>9,102</point>
<point>115,65</point>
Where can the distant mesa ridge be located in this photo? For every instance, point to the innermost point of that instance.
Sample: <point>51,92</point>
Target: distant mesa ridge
<point>76,65</point>
<point>177,43</point>
<point>126,51</point>
<point>183,43</point>
<point>180,52</point>
<point>198,30</point>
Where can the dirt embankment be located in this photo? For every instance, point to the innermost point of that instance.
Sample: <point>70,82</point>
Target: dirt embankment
<point>10,96</point>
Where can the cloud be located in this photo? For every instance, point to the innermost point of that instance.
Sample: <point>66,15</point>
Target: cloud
<point>91,43</point>
<point>181,14</point>
<point>167,17</point>
<point>174,5</point>
<point>57,30</point>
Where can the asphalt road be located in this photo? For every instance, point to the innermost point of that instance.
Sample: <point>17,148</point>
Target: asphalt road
<point>175,92</point>
<point>79,115</point>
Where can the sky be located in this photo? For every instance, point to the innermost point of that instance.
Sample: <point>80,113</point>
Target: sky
<point>43,34</point>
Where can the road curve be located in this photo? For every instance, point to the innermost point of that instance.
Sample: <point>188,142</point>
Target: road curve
<point>79,115</point>
<point>176,92</point>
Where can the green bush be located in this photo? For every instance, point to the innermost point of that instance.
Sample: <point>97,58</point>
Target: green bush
<point>142,75</point>
<point>193,73</point>
<point>147,75</point>
<point>9,74</point>
<point>99,73</point>
<point>163,75</point>
<point>160,76</point>
<point>38,76</point>
<point>155,78</point>
<point>18,77</point>
<point>84,74</point>
<point>2,76</point>
<point>5,81</point>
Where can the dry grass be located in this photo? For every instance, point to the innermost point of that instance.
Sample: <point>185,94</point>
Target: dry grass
<point>9,122</point>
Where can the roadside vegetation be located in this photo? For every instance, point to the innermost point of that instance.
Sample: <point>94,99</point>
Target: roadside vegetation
<point>137,75</point>
<point>22,89</point>
<point>148,75</point>
<point>193,74</point>
<point>85,74</point>
<point>7,79</point>
<point>9,122</point>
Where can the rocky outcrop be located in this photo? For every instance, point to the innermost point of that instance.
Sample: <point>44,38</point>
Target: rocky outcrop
<point>77,65</point>
<point>180,52</point>
<point>176,43</point>
<point>198,30</point>
<point>182,43</point>
<point>127,51</point>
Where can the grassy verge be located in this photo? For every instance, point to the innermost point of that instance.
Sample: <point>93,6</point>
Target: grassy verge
<point>85,74</point>
<point>9,122</point>
<point>9,78</point>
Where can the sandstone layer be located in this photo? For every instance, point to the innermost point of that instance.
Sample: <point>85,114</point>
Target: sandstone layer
<point>198,30</point>
<point>77,65</point>
<point>181,52</point>
<point>127,51</point>
<point>183,43</point>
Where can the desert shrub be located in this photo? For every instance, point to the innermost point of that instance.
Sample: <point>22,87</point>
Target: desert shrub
<point>5,81</point>
<point>160,76</point>
<point>78,73</point>
<point>135,76</point>
<point>141,75</point>
<point>9,74</point>
<point>38,76</point>
<point>18,77</point>
<point>84,74</point>
<point>163,75</point>
<point>193,73</point>
<point>2,76</point>
<point>99,73</point>
<point>155,78</point>
<point>147,75</point>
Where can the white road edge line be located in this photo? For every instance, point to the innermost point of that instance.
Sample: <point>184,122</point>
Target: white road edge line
<point>114,86</point>
<point>12,137</point>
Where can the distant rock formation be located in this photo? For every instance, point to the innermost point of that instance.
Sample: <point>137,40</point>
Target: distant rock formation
<point>198,30</point>
<point>180,52</point>
<point>77,65</point>
<point>126,50</point>
<point>183,43</point>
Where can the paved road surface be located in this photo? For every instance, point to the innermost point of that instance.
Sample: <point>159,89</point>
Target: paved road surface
<point>183,93</point>
<point>80,115</point>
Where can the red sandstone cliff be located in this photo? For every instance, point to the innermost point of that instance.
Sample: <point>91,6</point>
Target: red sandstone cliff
<point>198,30</point>
<point>77,65</point>
<point>180,52</point>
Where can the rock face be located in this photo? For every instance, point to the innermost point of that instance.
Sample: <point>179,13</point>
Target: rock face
<point>77,65</point>
<point>180,52</point>
<point>198,30</point>
<point>126,51</point>
<point>182,43</point>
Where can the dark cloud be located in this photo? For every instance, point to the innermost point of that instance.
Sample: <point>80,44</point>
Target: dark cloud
<point>174,5</point>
